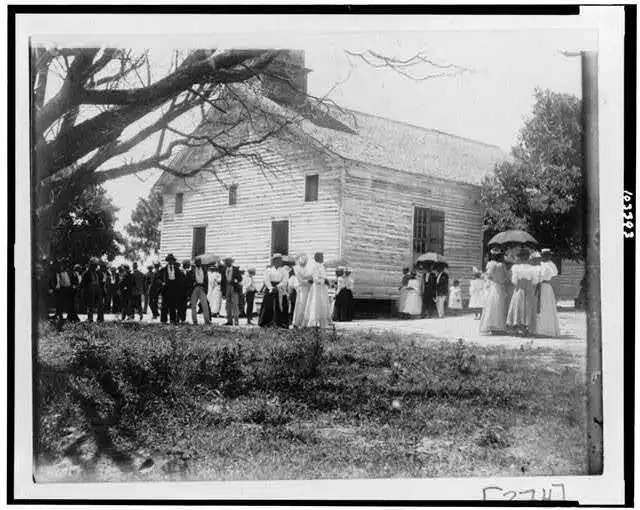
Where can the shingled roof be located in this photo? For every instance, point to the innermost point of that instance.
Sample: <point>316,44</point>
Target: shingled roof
<point>398,145</point>
<point>371,140</point>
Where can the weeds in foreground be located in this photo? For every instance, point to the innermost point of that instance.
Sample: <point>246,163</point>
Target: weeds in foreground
<point>163,387</point>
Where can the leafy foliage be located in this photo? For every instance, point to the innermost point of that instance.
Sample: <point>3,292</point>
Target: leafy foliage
<point>81,226</point>
<point>144,228</point>
<point>540,191</point>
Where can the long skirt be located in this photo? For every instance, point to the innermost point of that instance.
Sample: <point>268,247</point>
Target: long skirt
<point>271,313</point>
<point>494,313</point>
<point>343,306</point>
<point>317,313</point>
<point>215,299</point>
<point>402,298</point>
<point>547,317</point>
<point>522,308</point>
<point>412,303</point>
<point>302,298</point>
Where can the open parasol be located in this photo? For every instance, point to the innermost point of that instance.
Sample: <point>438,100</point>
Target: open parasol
<point>208,258</point>
<point>512,237</point>
<point>288,260</point>
<point>337,262</point>
<point>431,258</point>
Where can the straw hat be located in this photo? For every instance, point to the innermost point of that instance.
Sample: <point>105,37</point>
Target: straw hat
<point>170,258</point>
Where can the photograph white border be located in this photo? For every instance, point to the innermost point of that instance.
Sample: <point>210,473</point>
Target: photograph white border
<point>279,30</point>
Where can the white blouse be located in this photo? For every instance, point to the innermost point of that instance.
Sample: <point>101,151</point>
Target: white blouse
<point>275,274</point>
<point>547,271</point>
<point>525,272</point>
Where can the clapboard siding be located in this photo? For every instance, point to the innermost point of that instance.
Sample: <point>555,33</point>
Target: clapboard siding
<point>567,285</point>
<point>244,230</point>
<point>378,210</point>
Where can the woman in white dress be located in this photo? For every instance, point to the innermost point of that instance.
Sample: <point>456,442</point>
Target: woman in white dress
<point>413,300</point>
<point>455,296</point>
<point>546,307</point>
<point>214,295</point>
<point>522,308</point>
<point>494,313</point>
<point>476,293</point>
<point>317,314</point>
<point>302,272</point>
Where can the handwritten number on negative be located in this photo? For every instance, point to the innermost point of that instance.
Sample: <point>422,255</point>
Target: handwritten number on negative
<point>629,224</point>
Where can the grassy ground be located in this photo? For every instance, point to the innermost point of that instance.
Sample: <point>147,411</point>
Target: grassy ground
<point>152,402</point>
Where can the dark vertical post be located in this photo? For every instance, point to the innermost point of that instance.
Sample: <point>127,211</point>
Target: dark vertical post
<point>592,263</point>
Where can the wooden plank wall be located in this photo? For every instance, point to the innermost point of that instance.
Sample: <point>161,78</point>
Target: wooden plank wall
<point>567,285</point>
<point>244,230</point>
<point>379,205</point>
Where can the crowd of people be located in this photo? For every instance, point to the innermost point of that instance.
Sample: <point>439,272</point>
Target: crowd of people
<point>520,297</point>
<point>294,292</point>
<point>511,296</point>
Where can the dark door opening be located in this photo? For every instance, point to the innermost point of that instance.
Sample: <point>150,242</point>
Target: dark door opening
<point>280,237</point>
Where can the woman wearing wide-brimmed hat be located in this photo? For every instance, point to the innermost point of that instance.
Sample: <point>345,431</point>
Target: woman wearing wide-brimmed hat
<point>546,306</point>
<point>494,313</point>
<point>302,271</point>
<point>275,305</point>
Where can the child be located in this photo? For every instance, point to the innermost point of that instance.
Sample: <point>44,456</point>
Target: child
<point>249,291</point>
<point>339,299</point>
<point>455,296</point>
<point>476,293</point>
<point>349,286</point>
<point>406,276</point>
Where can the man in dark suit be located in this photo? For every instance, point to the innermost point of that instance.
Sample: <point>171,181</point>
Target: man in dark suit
<point>126,292</point>
<point>442,288</point>
<point>137,290</point>
<point>428,292</point>
<point>198,283</point>
<point>171,279</point>
<point>231,287</point>
<point>92,290</point>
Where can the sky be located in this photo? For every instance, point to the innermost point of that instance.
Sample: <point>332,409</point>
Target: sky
<point>488,103</point>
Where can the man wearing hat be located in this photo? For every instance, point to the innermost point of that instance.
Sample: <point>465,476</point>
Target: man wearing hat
<point>65,287</point>
<point>137,290</point>
<point>231,287</point>
<point>92,290</point>
<point>126,292</point>
<point>442,288</point>
<point>198,283</point>
<point>78,298</point>
<point>429,292</point>
<point>171,278</point>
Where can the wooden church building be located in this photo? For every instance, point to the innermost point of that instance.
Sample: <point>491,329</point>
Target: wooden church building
<point>303,176</point>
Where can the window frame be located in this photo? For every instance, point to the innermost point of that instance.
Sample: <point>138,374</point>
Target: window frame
<point>424,219</point>
<point>179,199</point>
<point>202,228</point>
<point>233,195</point>
<point>307,179</point>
